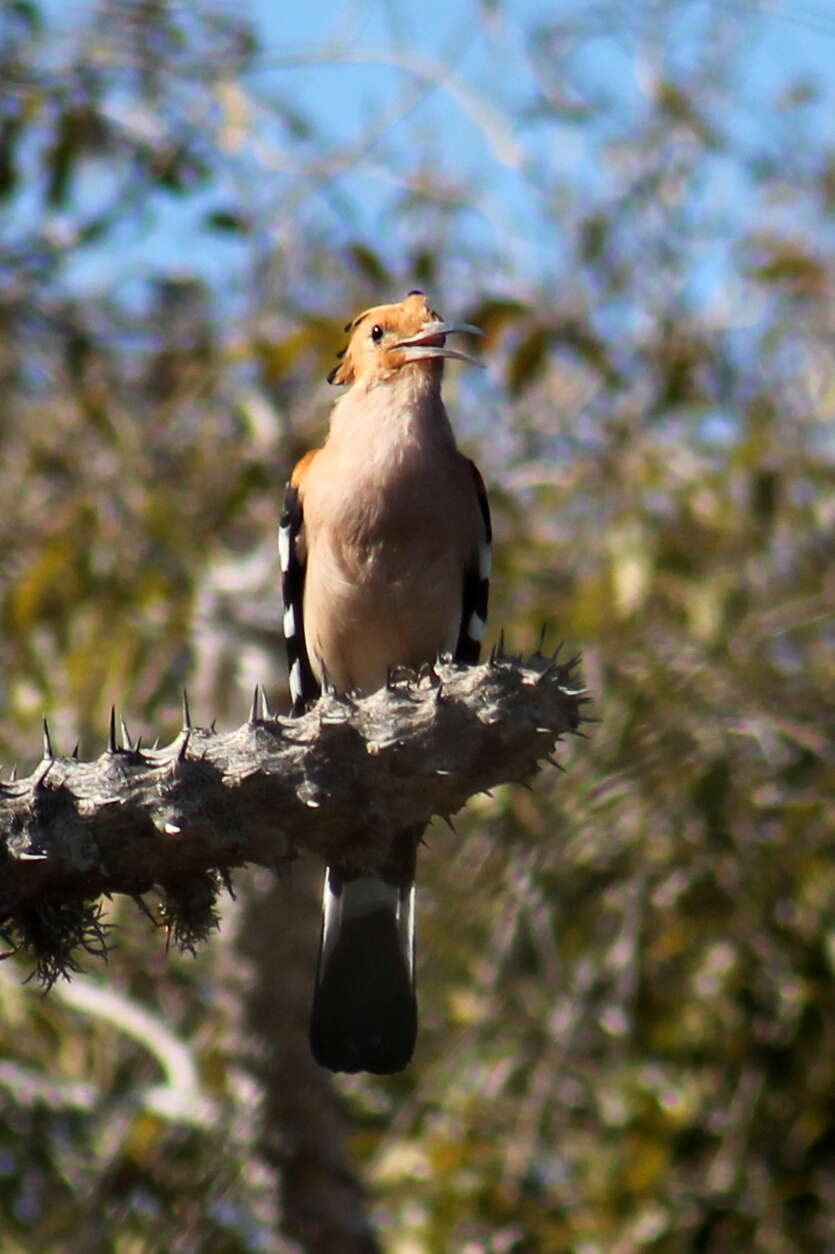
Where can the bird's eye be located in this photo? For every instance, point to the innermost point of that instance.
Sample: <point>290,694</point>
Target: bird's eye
<point>376,333</point>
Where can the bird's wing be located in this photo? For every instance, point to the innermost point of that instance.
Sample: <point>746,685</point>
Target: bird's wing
<point>476,581</point>
<point>304,687</point>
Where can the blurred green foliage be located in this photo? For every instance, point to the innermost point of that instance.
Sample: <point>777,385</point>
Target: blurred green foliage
<point>628,1038</point>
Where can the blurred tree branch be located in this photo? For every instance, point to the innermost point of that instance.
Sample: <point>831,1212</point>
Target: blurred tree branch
<point>342,778</point>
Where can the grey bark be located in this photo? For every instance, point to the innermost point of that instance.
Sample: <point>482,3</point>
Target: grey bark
<point>340,780</point>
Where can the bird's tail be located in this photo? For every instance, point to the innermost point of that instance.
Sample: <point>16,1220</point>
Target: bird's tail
<point>364,1014</point>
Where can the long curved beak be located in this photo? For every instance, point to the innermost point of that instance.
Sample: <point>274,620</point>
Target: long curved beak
<point>424,344</point>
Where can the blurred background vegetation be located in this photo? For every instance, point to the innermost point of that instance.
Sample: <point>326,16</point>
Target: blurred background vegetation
<point>626,975</point>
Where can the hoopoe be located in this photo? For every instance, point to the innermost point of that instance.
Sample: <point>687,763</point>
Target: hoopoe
<point>385,559</point>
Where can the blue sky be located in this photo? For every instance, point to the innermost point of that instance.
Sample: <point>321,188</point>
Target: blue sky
<point>453,83</point>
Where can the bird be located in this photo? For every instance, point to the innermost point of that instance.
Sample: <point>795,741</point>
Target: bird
<point>385,549</point>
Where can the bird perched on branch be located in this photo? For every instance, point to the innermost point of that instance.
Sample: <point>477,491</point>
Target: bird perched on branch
<point>385,558</point>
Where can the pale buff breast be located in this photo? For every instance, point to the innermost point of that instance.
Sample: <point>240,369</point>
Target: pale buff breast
<point>386,561</point>
<point>357,630</point>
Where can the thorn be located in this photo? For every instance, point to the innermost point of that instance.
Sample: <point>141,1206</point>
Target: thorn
<point>41,776</point>
<point>266,712</point>
<point>13,774</point>
<point>390,678</point>
<point>558,651</point>
<point>139,745</point>
<point>440,699</point>
<point>127,739</point>
<point>253,709</point>
<point>112,747</point>
<point>182,752</point>
<point>448,820</point>
<point>487,793</point>
<point>155,745</point>
<point>74,753</point>
<point>543,631</point>
<point>213,726</point>
<point>549,670</point>
<point>500,645</point>
<point>427,671</point>
<point>227,882</point>
<point>555,763</point>
<point>140,902</point>
<point>47,740</point>
<point>186,712</point>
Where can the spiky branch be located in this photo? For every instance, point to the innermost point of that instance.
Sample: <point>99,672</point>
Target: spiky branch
<point>339,780</point>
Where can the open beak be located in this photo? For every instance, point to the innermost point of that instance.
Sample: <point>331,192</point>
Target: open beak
<point>424,344</point>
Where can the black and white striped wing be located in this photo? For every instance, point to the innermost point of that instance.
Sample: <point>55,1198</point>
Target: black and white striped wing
<point>476,584</point>
<point>303,685</point>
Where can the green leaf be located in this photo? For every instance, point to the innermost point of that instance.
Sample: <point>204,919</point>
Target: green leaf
<point>228,221</point>
<point>528,360</point>
<point>368,263</point>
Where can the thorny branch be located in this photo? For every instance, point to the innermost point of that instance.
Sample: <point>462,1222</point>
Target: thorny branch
<point>341,780</point>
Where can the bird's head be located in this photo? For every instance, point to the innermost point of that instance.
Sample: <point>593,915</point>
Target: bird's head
<point>388,337</point>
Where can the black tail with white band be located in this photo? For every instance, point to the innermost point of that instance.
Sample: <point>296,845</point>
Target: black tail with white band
<point>364,1015</point>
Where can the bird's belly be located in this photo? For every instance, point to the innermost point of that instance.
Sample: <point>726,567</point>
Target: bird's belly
<point>370,613</point>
